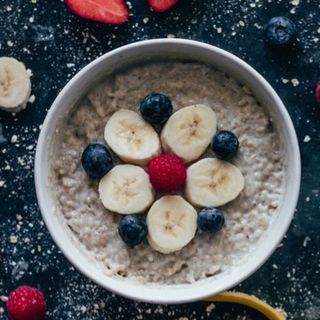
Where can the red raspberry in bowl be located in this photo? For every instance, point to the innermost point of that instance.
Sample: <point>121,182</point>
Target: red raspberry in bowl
<point>167,172</point>
<point>26,303</point>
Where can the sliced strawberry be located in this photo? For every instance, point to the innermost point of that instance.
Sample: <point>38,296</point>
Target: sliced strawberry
<point>106,11</point>
<point>161,5</point>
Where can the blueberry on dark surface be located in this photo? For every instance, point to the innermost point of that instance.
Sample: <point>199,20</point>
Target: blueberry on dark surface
<point>96,160</point>
<point>156,108</point>
<point>280,31</point>
<point>132,229</point>
<point>225,144</point>
<point>210,220</point>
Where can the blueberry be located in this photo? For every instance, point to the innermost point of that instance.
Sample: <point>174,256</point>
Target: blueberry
<point>156,108</point>
<point>132,229</point>
<point>280,31</point>
<point>210,220</point>
<point>96,160</point>
<point>225,144</point>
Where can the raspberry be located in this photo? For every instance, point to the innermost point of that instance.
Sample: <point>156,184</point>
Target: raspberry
<point>318,93</point>
<point>26,303</point>
<point>167,172</point>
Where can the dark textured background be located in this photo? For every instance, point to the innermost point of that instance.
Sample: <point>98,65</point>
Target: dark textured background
<point>55,44</point>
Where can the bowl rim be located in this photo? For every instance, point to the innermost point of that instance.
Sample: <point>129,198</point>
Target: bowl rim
<point>151,293</point>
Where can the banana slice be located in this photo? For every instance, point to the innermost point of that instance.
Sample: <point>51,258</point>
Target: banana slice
<point>126,189</point>
<point>212,182</point>
<point>172,224</point>
<point>132,138</point>
<point>15,85</point>
<point>189,131</point>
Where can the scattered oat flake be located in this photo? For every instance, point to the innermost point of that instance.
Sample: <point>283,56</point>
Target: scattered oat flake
<point>295,2</point>
<point>210,308</point>
<point>13,239</point>
<point>14,139</point>
<point>241,23</point>
<point>306,138</point>
<point>2,183</point>
<point>295,82</point>
<point>305,241</point>
<point>4,298</point>
<point>32,99</point>
<point>145,20</point>
<point>10,43</point>
<point>285,81</point>
<point>171,36</point>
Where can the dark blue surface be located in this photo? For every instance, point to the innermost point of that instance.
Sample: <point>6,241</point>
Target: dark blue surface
<point>55,44</point>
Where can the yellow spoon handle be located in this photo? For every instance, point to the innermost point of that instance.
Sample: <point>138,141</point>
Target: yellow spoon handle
<point>250,301</point>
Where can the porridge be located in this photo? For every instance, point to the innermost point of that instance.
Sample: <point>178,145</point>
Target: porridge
<point>247,218</point>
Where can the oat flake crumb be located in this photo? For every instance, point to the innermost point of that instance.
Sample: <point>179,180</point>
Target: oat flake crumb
<point>4,298</point>
<point>14,139</point>
<point>145,20</point>
<point>295,2</point>
<point>306,139</point>
<point>285,81</point>
<point>295,82</point>
<point>13,239</point>
<point>210,308</point>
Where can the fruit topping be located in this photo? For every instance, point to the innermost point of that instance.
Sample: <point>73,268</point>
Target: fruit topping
<point>225,144</point>
<point>96,160</point>
<point>167,172</point>
<point>210,220</point>
<point>132,230</point>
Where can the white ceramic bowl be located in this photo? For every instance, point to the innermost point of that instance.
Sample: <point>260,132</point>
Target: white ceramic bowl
<point>163,49</point>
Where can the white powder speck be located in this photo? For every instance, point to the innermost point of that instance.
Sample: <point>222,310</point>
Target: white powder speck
<point>285,81</point>
<point>307,199</point>
<point>2,183</point>
<point>241,23</point>
<point>219,30</point>
<point>70,65</point>
<point>4,298</point>
<point>10,43</point>
<point>1,310</point>
<point>274,266</point>
<point>31,19</point>
<point>145,20</point>
<point>171,36</point>
<point>306,139</point>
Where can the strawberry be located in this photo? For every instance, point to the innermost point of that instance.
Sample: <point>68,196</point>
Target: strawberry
<point>161,5</point>
<point>105,11</point>
<point>167,172</point>
<point>26,303</point>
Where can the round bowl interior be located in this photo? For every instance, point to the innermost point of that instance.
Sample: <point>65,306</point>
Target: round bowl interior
<point>164,49</point>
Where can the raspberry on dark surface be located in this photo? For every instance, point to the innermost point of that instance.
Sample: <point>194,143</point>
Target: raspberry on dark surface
<point>318,93</point>
<point>26,303</point>
<point>167,172</point>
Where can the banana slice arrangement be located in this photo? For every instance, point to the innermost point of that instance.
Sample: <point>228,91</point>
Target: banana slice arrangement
<point>171,221</point>
<point>15,85</point>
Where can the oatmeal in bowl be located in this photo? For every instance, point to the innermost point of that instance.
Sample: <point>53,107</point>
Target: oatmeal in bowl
<point>167,164</point>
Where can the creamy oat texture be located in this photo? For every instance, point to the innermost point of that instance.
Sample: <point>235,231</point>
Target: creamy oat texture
<point>247,218</point>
